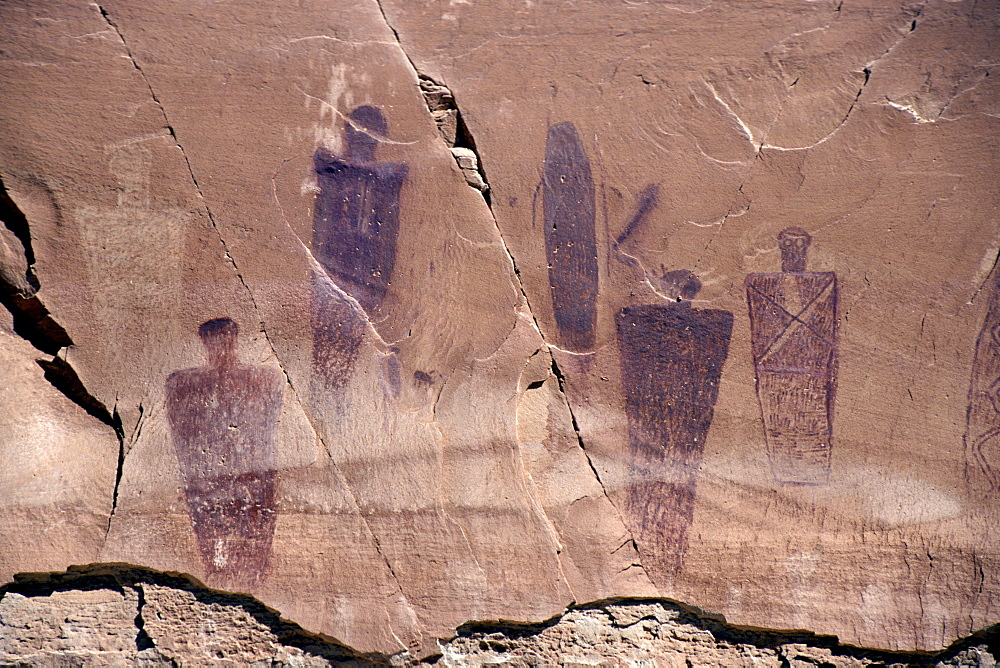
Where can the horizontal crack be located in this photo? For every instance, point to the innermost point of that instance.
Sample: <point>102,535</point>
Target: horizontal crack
<point>585,627</point>
<point>206,616</point>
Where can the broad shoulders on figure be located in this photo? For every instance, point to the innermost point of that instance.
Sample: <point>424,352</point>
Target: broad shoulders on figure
<point>244,376</point>
<point>330,163</point>
<point>677,312</point>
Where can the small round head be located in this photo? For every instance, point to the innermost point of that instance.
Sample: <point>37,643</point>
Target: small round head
<point>362,130</point>
<point>794,243</point>
<point>680,285</point>
<point>219,338</point>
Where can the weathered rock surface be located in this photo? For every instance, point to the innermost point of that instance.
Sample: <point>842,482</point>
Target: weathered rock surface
<point>396,315</point>
<point>112,615</point>
<point>660,633</point>
<point>54,508</point>
<point>117,615</point>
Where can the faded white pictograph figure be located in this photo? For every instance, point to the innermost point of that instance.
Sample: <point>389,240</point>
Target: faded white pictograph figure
<point>133,253</point>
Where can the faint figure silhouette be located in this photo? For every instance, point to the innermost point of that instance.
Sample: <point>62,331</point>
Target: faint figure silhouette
<point>222,419</point>
<point>793,335</point>
<point>355,227</point>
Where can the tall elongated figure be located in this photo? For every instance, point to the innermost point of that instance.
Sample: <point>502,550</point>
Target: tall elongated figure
<point>982,433</point>
<point>793,335</point>
<point>570,239</point>
<point>671,357</point>
<point>222,419</point>
<point>355,227</point>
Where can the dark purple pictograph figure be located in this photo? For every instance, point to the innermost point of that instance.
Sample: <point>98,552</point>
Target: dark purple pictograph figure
<point>570,238</point>
<point>671,356</point>
<point>793,335</point>
<point>222,420</point>
<point>982,432</point>
<point>355,227</point>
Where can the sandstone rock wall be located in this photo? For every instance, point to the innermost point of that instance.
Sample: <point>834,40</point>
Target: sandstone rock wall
<point>396,315</point>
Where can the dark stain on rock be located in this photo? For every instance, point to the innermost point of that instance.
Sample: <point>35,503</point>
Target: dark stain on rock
<point>222,420</point>
<point>570,238</point>
<point>793,336</point>
<point>338,330</point>
<point>356,219</point>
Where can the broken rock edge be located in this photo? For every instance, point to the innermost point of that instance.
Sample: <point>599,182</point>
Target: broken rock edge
<point>64,377</point>
<point>910,16</point>
<point>121,576</point>
<point>98,410</point>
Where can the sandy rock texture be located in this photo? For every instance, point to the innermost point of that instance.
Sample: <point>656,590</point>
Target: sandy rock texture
<point>113,615</point>
<point>397,314</point>
<point>119,615</point>
<point>660,633</point>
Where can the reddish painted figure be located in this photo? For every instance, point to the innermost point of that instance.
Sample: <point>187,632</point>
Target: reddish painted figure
<point>672,357</point>
<point>570,241</point>
<point>222,420</point>
<point>793,334</point>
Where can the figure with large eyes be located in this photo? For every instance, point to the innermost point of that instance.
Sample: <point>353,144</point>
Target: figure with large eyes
<point>355,227</point>
<point>222,420</point>
<point>793,335</point>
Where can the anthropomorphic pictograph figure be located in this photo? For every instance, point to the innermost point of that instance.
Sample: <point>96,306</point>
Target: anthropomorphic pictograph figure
<point>570,237</point>
<point>222,420</point>
<point>671,357</point>
<point>982,432</point>
<point>793,334</point>
<point>355,227</point>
